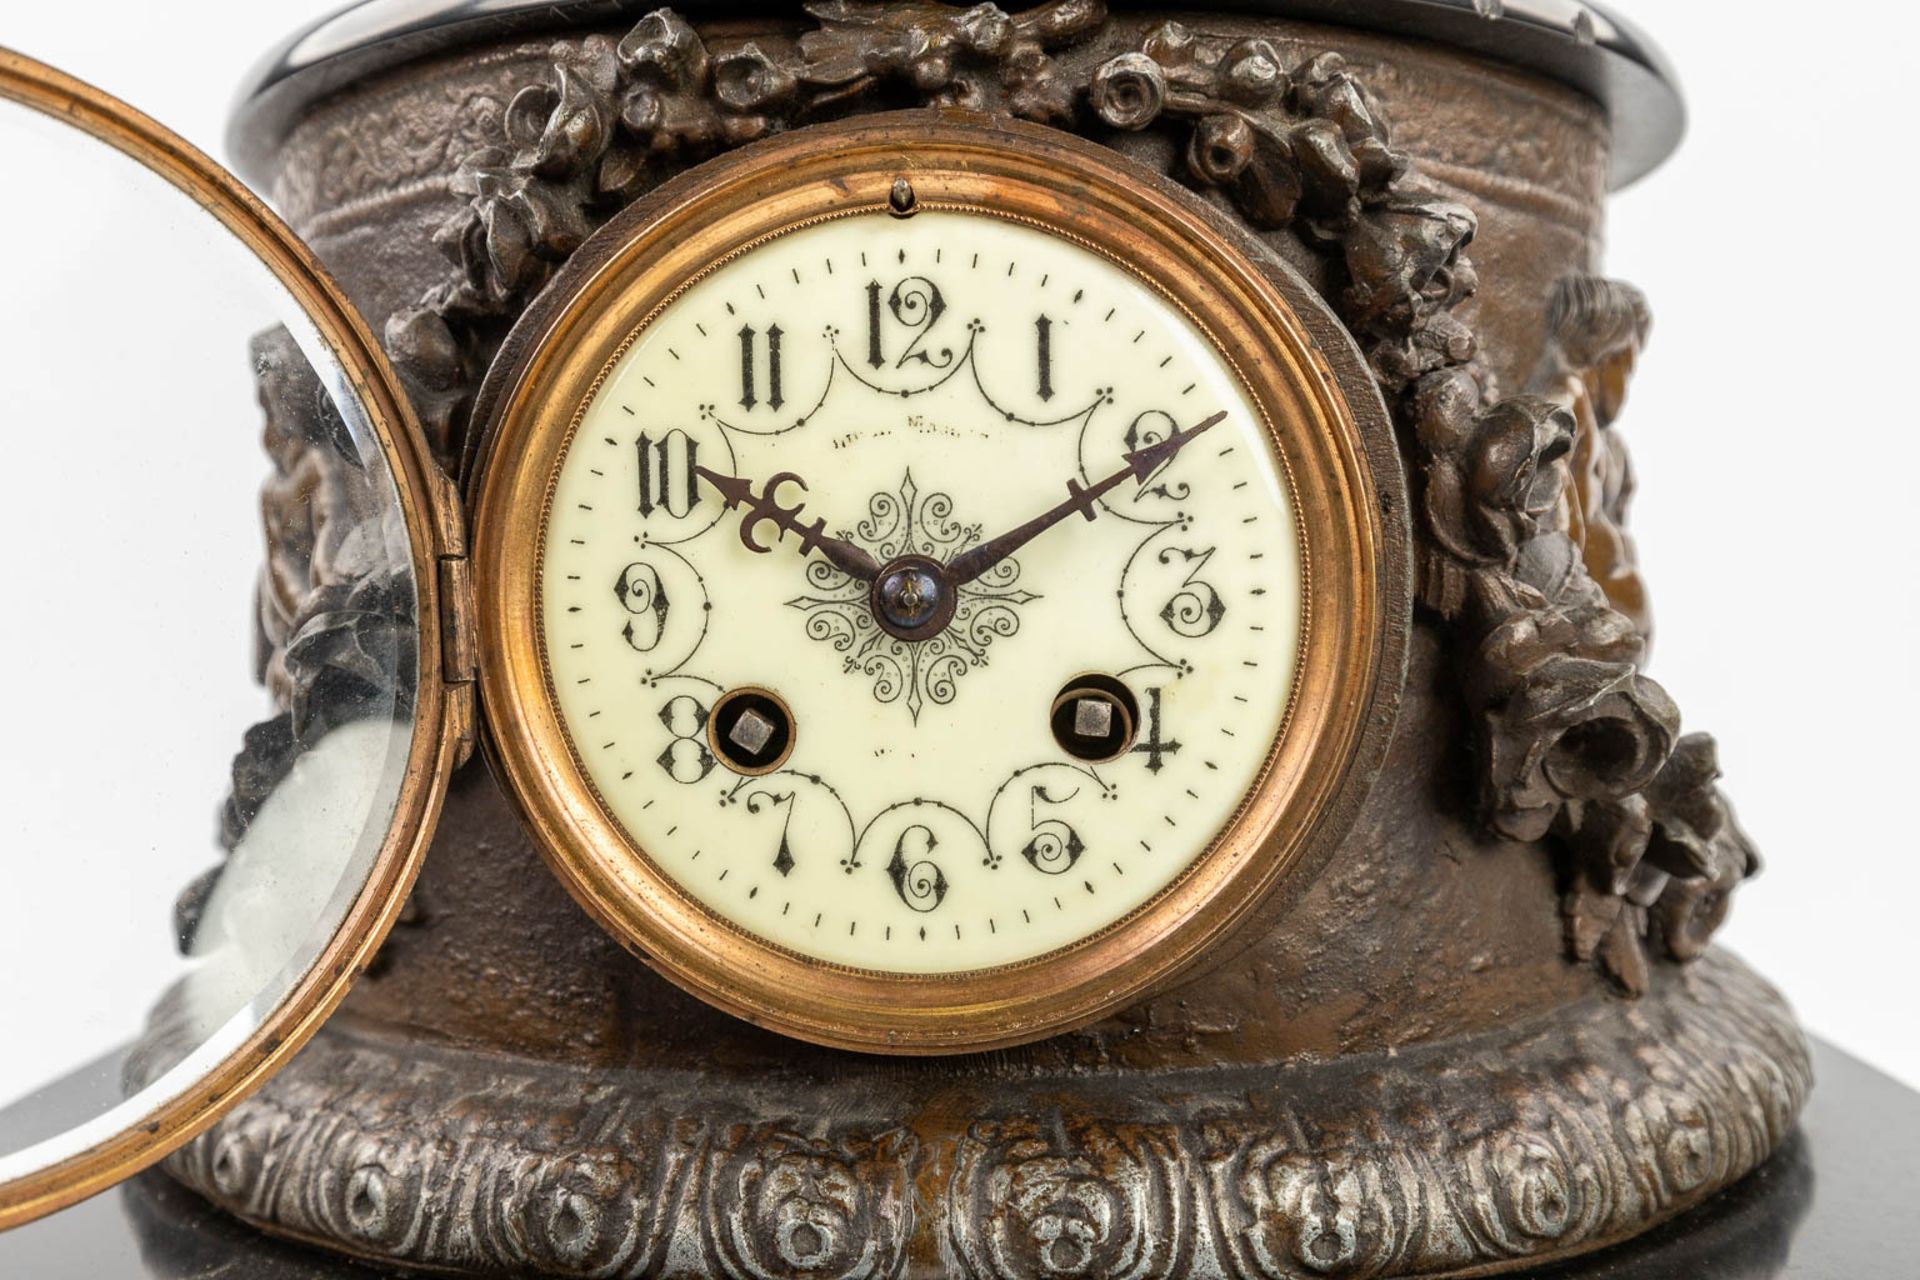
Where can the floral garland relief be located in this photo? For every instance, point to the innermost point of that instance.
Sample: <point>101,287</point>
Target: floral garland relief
<point>1521,499</point>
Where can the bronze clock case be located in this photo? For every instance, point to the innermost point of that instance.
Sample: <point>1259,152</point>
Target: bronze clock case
<point>1484,1033</point>
<point>1432,1064</point>
<point>1321,409</point>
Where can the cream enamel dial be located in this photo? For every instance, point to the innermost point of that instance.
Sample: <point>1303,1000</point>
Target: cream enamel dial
<point>930,586</point>
<point>926,384</point>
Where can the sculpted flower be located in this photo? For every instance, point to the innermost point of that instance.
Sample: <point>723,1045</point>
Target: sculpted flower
<point>352,654</point>
<point>1697,840</point>
<point>1567,716</point>
<point>1514,475</point>
<point>1694,832</point>
<point>575,130</point>
<point>1034,90</point>
<point>1128,92</point>
<point>1329,177</point>
<point>1172,45</point>
<point>1325,89</point>
<point>668,72</point>
<point>984,29</point>
<point>1251,74</point>
<point>747,79</point>
<point>947,56</point>
<point>1220,149</point>
<point>663,49</point>
<point>1404,258</point>
<point>1689,912</point>
<point>1493,477</point>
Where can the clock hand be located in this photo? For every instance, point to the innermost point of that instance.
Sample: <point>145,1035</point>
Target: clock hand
<point>734,490</point>
<point>1140,464</point>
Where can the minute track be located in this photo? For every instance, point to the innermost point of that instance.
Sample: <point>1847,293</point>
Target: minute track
<point>935,823</point>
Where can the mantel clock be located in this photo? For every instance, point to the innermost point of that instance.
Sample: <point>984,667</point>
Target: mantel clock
<point>933,640</point>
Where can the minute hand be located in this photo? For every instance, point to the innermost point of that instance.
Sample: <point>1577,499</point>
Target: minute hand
<point>1140,464</point>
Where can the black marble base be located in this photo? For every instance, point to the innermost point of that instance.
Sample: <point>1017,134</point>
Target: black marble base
<point>1837,1203</point>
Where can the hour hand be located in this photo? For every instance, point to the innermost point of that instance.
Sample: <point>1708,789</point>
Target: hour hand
<point>737,491</point>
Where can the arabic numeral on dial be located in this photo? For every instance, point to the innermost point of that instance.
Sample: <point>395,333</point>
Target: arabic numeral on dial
<point>1196,608</point>
<point>919,881</point>
<point>761,801</point>
<point>686,759</point>
<point>667,480</point>
<point>1150,744</point>
<point>1055,845</point>
<point>750,375</point>
<point>642,594</point>
<point>1150,428</point>
<point>916,305</point>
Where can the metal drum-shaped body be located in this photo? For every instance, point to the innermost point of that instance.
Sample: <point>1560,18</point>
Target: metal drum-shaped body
<point>1489,1031</point>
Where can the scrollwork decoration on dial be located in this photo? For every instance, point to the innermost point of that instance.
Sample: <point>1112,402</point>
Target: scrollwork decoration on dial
<point>912,522</point>
<point>919,881</point>
<point>665,609</point>
<point>781,795</point>
<point>915,843</point>
<point>1034,816</point>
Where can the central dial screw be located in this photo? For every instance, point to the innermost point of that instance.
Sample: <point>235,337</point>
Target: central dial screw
<point>911,598</point>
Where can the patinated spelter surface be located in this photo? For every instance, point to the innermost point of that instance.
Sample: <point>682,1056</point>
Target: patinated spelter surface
<point>1574,741</point>
<point>1427,1067</point>
<point>1345,1168</point>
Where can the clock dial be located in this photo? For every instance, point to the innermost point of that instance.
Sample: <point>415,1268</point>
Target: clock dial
<point>929,582</point>
<point>992,705</point>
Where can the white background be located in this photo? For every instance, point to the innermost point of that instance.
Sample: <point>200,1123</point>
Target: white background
<point>1773,425</point>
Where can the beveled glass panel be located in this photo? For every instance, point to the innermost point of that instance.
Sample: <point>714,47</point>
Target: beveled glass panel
<point>211,655</point>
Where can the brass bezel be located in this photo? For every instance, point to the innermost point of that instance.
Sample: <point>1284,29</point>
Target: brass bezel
<point>441,725</point>
<point>636,267</point>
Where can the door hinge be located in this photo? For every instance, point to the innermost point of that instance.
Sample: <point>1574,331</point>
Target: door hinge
<point>459,651</point>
